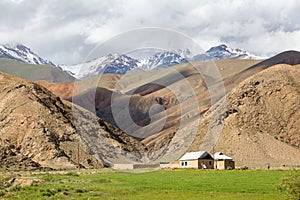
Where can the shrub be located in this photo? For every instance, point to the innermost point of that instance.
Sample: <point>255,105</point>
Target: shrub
<point>80,191</point>
<point>72,174</point>
<point>291,185</point>
<point>2,193</point>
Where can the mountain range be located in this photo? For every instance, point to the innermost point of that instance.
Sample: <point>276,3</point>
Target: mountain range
<point>122,64</point>
<point>151,115</point>
<point>178,107</point>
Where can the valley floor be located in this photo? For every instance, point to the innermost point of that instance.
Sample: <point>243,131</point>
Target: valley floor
<point>160,184</point>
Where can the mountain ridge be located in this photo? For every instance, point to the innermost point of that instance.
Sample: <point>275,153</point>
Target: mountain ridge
<point>122,63</point>
<point>251,98</point>
<point>22,53</point>
<point>161,59</point>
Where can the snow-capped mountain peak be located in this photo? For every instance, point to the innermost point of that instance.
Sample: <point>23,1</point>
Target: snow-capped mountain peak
<point>112,63</point>
<point>224,52</point>
<point>165,58</point>
<point>22,53</point>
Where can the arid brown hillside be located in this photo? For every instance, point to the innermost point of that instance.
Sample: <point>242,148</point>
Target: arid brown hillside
<point>259,121</point>
<point>37,129</point>
<point>144,90</point>
<point>181,110</point>
<point>168,88</point>
<point>287,57</point>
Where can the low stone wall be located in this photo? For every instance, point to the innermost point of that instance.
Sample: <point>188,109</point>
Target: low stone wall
<point>135,166</point>
<point>172,165</point>
<point>123,166</point>
<point>145,166</point>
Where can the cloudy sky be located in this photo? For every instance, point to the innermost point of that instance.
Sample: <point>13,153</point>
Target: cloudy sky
<point>65,31</point>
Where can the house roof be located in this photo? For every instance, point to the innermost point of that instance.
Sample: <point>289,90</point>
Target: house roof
<point>221,156</point>
<point>195,155</point>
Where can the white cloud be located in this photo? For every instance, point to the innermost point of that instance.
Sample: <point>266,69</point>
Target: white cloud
<point>65,31</point>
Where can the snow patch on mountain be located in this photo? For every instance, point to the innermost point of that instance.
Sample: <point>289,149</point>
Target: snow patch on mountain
<point>22,53</point>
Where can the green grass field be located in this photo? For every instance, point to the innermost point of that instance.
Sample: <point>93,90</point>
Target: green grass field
<point>161,184</point>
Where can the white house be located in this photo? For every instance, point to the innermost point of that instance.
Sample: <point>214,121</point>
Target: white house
<point>196,160</point>
<point>223,162</point>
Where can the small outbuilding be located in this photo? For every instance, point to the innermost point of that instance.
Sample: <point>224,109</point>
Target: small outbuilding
<point>197,160</point>
<point>223,162</point>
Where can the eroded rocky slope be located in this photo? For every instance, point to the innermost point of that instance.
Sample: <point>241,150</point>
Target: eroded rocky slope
<point>258,123</point>
<point>38,129</point>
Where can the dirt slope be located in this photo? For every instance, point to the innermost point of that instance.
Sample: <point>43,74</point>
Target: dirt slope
<point>286,57</point>
<point>162,87</point>
<point>143,90</point>
<point>167,88</point>
<point>37,129</point>
<point>260,119</point>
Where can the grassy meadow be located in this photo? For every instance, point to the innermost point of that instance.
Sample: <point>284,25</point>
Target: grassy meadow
<point>160,184</point>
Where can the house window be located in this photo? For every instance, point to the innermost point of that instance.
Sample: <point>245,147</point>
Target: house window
<point>183,164</point>
<point>209,163</point>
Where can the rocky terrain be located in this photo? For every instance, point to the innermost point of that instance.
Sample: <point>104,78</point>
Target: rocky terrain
<point>166,88</point>
<point>38,130</point>
<point>162,113</point>
<point>258,122</point>
<point>140,90</point>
